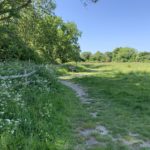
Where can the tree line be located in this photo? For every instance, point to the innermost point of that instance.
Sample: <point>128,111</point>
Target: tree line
<point>120,54</point>
<point>30,30</point>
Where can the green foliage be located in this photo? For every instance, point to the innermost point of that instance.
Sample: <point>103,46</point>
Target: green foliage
<point>124,54</point>
<point>44,6</point>
<point>98,56</point>
<point>143,57</point>
<point>68,48</point>
<point>108,56</point>
<point>9,8</point>
<point>12,47</point>
<point>86,56</point>
<point>37,112</point>
<point>45,38</point>
<point>121,54</point>
<point>70,68</point>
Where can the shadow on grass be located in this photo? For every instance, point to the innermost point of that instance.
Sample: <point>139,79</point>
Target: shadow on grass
<point>132,87</point>
<point>95,65</point>
<point>66,68</point>
<point>122,100</point>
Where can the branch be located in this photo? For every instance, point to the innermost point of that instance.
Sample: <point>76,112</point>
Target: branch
<point>15,9</point>
<point>24,5</point>
<point>17,76</point>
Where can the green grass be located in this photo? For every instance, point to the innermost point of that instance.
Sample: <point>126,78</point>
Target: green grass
<point>37,114</point>
<point>65,69</point>
<point>122,97</point>
<point>40,113</point>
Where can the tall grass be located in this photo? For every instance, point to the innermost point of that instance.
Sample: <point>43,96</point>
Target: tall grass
<point>121,93</point>
<point>36,113</point>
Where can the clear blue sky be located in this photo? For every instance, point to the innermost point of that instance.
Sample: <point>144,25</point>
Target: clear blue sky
<point>109,23</point>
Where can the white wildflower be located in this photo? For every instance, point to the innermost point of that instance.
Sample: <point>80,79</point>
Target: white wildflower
<point>1,113</point>
<point>8,121</point>
<point>12,131</point>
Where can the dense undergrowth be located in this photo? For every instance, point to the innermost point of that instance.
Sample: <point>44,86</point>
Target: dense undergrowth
<point>35,112</point>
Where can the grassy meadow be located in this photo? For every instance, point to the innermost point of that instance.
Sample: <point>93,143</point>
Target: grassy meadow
<point>40,113</point>
<point>121,93</point>
<point>37,112</point>
<point>121,100</point>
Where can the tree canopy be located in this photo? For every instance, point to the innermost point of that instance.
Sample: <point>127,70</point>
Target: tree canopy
<point>35,33</point>
<point>9,8</point>
<point>30,30</point>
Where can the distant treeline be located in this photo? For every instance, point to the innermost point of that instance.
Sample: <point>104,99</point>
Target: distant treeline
<point>121,54</point>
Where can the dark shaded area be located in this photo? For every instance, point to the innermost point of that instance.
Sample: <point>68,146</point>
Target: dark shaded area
<point>122,87</point>
<point>13,47</point>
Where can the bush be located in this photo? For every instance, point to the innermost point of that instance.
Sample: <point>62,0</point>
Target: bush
<point>143,57</point>
<point>86,56</point>
<point>124,54</point>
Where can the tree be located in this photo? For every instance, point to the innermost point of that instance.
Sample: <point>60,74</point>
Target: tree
<point>50,36</point>
<point>10,8</point>
<point>44,7</point>
<point>124,54</point>
<point>67,46</point>
<point>98,56</point>
<point>38,30</point>
<point>86,2</point>
<point>86,56</point>
<point>12,46</point>
<point>108,56</point>
<point>143,57</point>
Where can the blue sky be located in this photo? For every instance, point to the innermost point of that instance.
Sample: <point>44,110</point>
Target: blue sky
<point>109,23</point>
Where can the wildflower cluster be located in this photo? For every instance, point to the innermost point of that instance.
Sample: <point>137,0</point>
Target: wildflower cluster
<point>14,93</point>
<point>10,102</point>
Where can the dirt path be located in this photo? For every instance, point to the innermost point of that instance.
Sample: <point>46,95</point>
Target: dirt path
<point>90,141</point>
<point>80,91</point>
<point>86,133</point>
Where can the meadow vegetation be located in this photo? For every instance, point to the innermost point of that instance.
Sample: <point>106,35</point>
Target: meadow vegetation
<point>38,112</point>
<point>35,112</point>
<point>121,101</point>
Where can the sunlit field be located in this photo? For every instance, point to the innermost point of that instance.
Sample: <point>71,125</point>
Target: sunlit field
<point>39,112</point>
<point>121,93</point>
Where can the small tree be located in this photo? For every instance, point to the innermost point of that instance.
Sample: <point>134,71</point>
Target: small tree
<point>98,56</point>
<point>86,56</point>
<point>124,54</point>
<point>143,57</point>
<point>108,56</point>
